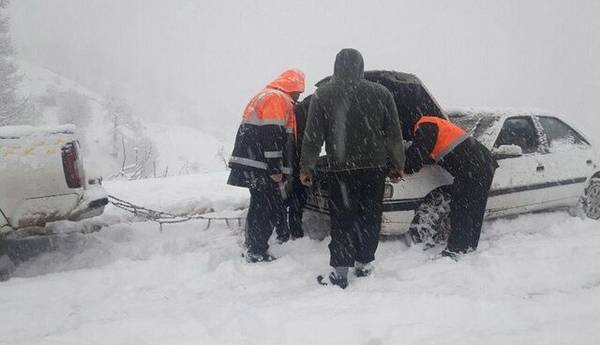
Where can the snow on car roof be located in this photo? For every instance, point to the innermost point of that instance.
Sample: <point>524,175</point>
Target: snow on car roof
<point>498,111</point>
<point>15,132</point>
<point>483,122</point>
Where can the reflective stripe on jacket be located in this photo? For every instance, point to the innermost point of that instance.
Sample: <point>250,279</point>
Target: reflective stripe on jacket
<point>449,136</point>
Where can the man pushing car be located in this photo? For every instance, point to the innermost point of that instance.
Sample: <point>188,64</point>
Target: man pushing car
<point>472,166</point>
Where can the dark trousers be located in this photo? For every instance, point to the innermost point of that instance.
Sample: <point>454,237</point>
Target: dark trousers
<point>295,202</point>
<point>266,212</point>
<point>355,206</point>
<point>467,208</point>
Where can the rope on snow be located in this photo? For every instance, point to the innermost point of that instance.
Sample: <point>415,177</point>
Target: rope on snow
<point>161,217</point>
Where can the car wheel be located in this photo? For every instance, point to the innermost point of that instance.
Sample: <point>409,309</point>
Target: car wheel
<point>431,224</point>
<point>315,225</point>
<point>591,199</point>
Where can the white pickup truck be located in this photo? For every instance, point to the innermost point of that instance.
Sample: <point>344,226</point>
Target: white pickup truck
<point>42,178</point>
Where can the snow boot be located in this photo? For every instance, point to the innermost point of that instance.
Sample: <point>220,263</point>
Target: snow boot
<point>339,277</point>
<point>282,239</point>
<point>363,270</point>
<point>254,258</point>
<point>450,254</point>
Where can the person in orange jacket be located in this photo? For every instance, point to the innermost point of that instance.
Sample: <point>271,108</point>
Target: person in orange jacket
<point>437,140</point>
<point>262,155</point>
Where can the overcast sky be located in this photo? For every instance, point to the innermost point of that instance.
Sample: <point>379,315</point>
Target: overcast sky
<point>202,60</point>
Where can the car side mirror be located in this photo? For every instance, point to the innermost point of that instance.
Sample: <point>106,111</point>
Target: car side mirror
<point>507,151</point>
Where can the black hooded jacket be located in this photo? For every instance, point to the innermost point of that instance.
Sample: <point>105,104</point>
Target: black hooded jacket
<point>357,119</point>
<point>301,112</point>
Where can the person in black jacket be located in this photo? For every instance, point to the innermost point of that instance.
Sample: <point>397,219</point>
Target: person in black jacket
<point>359,124</point>
<point>296,191</point>
<point>437,140</point>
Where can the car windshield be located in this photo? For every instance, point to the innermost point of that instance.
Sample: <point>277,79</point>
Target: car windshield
<point>475,124</point>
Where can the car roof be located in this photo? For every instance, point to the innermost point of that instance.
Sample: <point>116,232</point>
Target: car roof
<point>502,113</point>
<point>498,111</point>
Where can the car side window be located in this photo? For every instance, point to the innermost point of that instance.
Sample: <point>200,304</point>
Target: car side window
<point>519,131</point>
<point>560,136</point>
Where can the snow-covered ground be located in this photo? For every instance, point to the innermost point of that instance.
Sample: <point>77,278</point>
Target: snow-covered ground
<point>190,194</point>
<point>534,280</point>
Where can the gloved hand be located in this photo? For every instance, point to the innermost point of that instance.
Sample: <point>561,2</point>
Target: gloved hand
<point>396,175</point>
<point>277,178</point>
<point>306,179</point>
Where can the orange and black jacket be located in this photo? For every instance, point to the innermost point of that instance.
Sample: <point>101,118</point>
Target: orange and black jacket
<point>437,140</point>
<point>265,139</point>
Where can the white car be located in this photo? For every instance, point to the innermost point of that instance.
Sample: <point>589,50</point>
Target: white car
<point>544,164</point>
<point>42,178</point>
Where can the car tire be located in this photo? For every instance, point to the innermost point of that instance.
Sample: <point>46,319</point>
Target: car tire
<point>431,223</point>
<point>316,226</point>
<point>591,199</point>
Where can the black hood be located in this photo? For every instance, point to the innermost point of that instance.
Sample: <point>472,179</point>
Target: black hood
<point>348,65</point>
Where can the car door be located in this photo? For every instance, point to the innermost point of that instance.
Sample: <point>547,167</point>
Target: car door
<point>517,182</point>
<point>568,162</point>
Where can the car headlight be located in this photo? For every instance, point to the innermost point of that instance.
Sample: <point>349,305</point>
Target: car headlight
<point>388,191</point>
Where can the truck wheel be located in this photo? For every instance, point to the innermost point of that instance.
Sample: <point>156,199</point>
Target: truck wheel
<point>591,199</point>
<point>7,268</point>
<point>431,224</point>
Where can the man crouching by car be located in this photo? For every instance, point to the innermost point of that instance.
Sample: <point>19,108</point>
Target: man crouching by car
<point>472,166</point>
<point>359,124</point>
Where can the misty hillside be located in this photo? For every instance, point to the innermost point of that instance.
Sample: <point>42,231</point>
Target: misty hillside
<point>172,149</point>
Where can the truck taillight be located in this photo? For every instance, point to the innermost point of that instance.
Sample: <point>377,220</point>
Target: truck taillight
<point>70,159</point>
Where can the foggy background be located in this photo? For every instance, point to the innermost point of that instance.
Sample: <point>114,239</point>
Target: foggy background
<point>198,62</point>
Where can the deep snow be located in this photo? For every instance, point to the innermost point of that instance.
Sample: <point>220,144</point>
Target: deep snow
<point>190,194</point>
<point>534,280</point>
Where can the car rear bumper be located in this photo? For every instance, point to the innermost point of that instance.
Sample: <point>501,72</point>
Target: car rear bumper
<point>92,204</point>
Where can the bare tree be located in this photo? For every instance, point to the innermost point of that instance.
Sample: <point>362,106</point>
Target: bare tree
<point>224,156</point>
<point>74,108</point>
<point>139,168</point>
<point>120,115</point>
<point>10,106</point>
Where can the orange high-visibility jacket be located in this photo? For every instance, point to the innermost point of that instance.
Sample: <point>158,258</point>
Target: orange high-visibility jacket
<point>449,136</point>
<point>267,132</point>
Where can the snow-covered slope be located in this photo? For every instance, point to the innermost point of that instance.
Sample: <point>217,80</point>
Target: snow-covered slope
<point>46,89</point>
<point>37,81</point>
<point>180,150</point>
<point>534,280</point>
<point>185,150</point>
